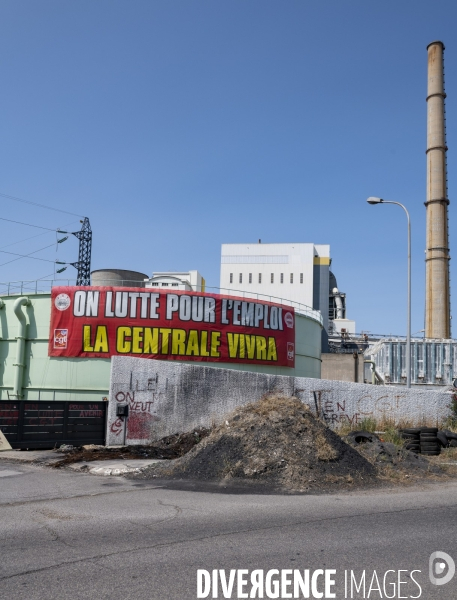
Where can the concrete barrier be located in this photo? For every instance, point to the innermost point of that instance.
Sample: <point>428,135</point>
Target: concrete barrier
<point>167,397</point>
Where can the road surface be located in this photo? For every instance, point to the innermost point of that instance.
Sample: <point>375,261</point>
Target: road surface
<point>66,535</point>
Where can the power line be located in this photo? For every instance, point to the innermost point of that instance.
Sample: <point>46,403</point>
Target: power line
<point>28,255</point>
<point>28,224</point>
<point>24,255</point>
<point>40,205</point>
<point>33,237</point>
<point>45,276</point>
<point>26,240</point>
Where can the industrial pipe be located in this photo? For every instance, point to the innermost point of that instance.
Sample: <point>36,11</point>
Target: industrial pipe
<point>374,374</point>
<point>2,304</point>
<point>339,303</point>
<point>20,346</point>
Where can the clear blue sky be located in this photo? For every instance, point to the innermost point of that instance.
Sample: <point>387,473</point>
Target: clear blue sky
<point>178,126</point>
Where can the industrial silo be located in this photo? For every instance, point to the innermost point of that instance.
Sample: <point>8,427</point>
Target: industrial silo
<point>118,278</point>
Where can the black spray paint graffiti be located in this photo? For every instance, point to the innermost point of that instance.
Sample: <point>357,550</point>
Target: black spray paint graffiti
<point>334,411</point>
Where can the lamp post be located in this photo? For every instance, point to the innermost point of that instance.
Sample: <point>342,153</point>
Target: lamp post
<point>373,200</point>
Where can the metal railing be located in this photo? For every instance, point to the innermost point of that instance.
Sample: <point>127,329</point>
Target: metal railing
<point>44,286</point>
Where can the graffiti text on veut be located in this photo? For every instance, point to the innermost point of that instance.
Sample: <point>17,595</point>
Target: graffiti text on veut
<point>129,398</point>
<point>141,418</point>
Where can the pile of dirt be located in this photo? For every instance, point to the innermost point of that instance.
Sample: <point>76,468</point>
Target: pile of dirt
<point>172,446</point>
<point>276,443</point>
<point>392,462</point>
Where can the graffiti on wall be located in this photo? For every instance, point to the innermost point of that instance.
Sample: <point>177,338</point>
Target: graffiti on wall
<point>142,408</point>
<point>335,409</point>
<point>165,398</point>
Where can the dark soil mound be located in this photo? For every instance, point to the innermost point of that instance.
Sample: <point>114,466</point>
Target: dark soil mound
<point>275,442</point>
<point>172,446</point>
<point>394,463</point>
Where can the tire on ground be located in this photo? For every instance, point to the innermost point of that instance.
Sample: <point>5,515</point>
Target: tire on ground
<point>415,449</point>
<point>441,436</point>
<point>362,437</point>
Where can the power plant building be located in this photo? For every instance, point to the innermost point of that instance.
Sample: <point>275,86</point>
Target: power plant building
<point>191,281</point>
<point>296,273</point>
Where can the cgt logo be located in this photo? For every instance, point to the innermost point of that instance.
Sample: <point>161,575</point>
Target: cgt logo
<point>439,563</point>
<point>290,351</point>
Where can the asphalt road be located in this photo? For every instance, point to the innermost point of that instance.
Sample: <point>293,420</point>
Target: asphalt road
<point>66,535</point>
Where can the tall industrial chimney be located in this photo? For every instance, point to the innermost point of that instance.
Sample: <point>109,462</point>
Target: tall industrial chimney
<point>437,295</point>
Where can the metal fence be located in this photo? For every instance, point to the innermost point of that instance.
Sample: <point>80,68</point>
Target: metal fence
<point>35,424</point>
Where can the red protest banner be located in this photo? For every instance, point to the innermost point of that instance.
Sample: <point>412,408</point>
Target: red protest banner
<point>99,322</point>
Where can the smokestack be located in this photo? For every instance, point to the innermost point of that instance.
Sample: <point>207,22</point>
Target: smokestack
<point>437,294</point>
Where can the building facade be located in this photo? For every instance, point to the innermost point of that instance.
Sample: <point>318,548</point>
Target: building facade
<point>295,273</point>
<point>191,281</point>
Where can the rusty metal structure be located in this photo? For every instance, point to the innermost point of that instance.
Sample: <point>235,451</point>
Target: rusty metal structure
<point>437,299</point>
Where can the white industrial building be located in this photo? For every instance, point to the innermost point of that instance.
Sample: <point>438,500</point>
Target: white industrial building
<point>297,273</point>
<point>280,270</point>
<point>191,281</point>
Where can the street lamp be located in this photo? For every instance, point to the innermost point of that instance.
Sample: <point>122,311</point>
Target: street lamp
<point>373,200</point>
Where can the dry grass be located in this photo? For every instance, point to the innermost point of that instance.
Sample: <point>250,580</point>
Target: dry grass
<point>390,428</point>
<point>447,460</point>
<point>325,451</point>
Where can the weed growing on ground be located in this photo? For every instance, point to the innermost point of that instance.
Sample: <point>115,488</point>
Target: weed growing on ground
<point>451,421</point>
<point>388,429</point>
<point>368,424</point>
<point>325,451</point>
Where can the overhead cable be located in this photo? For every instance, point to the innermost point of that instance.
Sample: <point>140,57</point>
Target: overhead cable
<point>34,236</point>
<point>27,255</point>
<point>27,224</point>
<point>40,205</point>
<point>21,241</point>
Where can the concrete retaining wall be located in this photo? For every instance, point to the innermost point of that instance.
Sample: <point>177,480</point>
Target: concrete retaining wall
<point>343,367</point>
<point>166,397</point>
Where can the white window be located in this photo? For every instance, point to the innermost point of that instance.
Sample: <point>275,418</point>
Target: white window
<point>174,284</point>
<point>301,277</point>
<point>241,277</point>
<point>231,277</point>
<point>281,279</point>
<point>260,277</point>
<point>164,284</point>
<point>272,278</point>
<point>250,277</point>
<point>155,284</point>
<point>291,278</point>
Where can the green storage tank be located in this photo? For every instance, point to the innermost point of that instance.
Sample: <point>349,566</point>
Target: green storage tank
<point>27,372</point>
